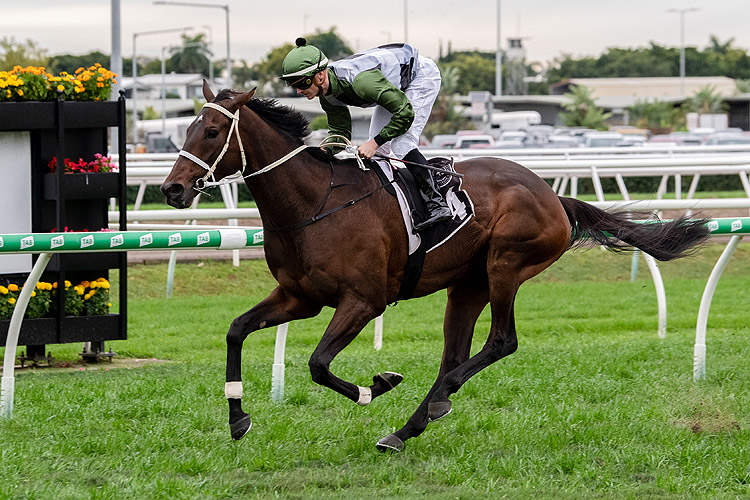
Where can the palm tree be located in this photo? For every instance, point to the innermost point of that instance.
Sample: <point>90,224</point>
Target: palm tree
<point>582,110</point>
<point>706,101</point>
<point>192,56</point>
<point>718,47</point>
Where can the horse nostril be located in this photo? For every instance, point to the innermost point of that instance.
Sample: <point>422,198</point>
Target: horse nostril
<point>172,189</point>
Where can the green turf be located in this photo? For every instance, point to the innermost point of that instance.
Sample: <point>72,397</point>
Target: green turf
<point>593,404</point>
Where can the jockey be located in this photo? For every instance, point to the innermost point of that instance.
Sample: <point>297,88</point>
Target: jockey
<point>397,80</point>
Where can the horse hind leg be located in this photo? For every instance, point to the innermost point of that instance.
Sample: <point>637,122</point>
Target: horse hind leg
<point>465,304</point>
<point>502,341</point>
<point>279,307</point>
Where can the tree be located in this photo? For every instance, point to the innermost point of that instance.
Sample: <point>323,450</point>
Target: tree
<point>14,53</point>
<point>444,118</point>
<point>192,56</point>
<point>330,43</point>
<point>475,72</point>
<point>706,101</point>
<point>70,63</point>
<point>582,111</point>
<point>656,115</point>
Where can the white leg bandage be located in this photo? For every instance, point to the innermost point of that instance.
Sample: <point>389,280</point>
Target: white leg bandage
<point>233,390</point>
<point>365,396</point>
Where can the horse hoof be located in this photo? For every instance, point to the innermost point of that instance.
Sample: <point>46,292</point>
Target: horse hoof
<point>390,443</point>
<point>390,379</point>
<point>240,427</point>
<point>436,411</point>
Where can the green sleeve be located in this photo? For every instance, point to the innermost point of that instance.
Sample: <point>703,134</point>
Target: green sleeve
<point>339,123</point>
<point>372,86</point>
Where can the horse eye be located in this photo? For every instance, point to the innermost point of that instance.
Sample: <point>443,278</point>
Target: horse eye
<point>212,133</point>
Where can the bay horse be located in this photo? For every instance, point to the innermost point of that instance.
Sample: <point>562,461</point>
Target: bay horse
<point>334,237</point>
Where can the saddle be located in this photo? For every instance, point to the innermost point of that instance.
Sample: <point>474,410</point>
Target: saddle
<point>411,201</point>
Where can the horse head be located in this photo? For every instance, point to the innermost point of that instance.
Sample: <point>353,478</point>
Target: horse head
<point>208,138</point>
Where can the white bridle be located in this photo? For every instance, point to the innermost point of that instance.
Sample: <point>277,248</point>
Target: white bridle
<point>204,183</point>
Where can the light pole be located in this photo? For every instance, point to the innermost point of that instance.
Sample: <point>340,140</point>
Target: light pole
<point>682,13</point>
<point>135,72</point>
<point>215,6</point>
<point>406,21</point>
<point>498,58</point>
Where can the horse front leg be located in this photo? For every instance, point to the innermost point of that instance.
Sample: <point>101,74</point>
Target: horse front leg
<point>465,304</point>
<point>348,320</point>
<point>279,307</point>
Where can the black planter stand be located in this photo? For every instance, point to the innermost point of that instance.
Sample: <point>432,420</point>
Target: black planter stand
<point>74,201</point>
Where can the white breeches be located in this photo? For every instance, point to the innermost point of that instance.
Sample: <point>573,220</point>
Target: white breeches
<point>422,92</point>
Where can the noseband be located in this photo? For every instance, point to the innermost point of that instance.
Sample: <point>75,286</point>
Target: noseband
<point>203,182</point>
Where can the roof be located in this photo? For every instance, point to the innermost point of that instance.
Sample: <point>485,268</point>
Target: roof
<point>650,87</point>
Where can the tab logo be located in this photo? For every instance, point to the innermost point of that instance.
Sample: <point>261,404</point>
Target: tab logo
<point>174,239</point>
<point>27,242</point>
<point>116,240</point>
<point>713,226</point>
<point>146,239</point>
<point>57,241</point>
<point>203,238</point>
<point>87,241</point>
<point>258,238</point>
<point>736,225</point>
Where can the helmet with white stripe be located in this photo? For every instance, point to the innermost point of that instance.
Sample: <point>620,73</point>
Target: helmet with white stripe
<point>302,63</point>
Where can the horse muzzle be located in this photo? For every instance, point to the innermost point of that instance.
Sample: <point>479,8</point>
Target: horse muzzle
<point>176,194</point>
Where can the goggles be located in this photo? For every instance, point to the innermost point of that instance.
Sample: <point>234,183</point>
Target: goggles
<point>302,83</point>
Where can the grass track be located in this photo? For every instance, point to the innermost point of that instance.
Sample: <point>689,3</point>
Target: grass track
<point>593,404</point>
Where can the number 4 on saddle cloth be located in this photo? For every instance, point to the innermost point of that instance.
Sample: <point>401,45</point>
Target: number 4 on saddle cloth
<point>406,190</point>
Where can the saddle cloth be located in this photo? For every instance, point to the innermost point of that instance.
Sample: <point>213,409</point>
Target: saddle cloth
<point>458,200</point>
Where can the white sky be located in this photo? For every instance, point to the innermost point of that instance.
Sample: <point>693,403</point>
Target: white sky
<point>550,27</point>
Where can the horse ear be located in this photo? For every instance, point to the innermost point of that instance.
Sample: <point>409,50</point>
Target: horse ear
<point>242,99</point>
<point>207,92</point>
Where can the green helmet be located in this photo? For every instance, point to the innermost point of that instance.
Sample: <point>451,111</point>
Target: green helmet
<point>301,63</point>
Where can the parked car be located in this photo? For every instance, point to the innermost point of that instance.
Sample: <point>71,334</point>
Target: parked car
<point>679,138</point>
<point>472,141</point>
<point>727,138</point>
<point>603,140</point>
<point>443,141</point>
<point>561,141</point>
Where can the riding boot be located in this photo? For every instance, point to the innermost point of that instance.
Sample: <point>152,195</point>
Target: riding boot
<point>437,207</point>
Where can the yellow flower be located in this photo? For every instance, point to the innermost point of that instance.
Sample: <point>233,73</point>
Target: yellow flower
<point>85,284</point>
<point>11,300</point>
<point>33,294</point>
<point>13,287</point>
<point>60,88</point>
<point>20,92</point>
<point>67,284</point>
<point>3,290</point>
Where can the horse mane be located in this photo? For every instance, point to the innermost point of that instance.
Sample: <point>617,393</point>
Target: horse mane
<point>283,118</point>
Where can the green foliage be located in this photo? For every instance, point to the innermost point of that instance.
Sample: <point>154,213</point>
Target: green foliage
<point>319,122</point>
<point>706,101</point>
<point>192,56</point>
<point>70,63</point>
<point>743,86</point>
<point>474,71</point>
<point>149,113</point>
<point>582,111</point>
<point>23,54</point>
<point>655,114</point>
<point>330,43</point>
<point>655,60</point>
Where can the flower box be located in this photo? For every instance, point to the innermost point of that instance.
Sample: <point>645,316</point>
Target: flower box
<point>41,331</point>
<point>40,115</point>
<point>82,186</point>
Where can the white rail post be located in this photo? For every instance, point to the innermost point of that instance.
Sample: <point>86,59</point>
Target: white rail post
<point>699,350</point>
<point>9,382</point>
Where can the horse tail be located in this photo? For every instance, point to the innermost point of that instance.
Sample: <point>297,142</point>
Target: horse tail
<point>663,240</point>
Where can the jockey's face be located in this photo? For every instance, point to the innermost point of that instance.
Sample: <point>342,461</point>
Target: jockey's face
<point>318,88</point>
